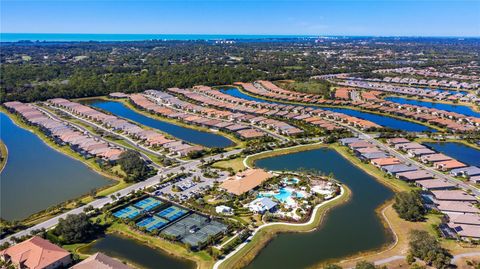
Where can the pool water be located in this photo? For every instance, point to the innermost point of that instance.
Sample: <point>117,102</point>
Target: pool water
<point>283,195</point>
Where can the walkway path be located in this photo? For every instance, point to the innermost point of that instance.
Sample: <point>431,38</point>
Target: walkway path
<point>102,201</point>
<point>309,222</point>
<point>83,130</point>
<point>124,137</point>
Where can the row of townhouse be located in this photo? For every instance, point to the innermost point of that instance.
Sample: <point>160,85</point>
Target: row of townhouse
<point>432,72</point>
<point>439,161</point>
<point>310,115</point>
<point>149,137</point>
<point>265,88</point>
<point>453,121</point>
<point>412,91</point>
<point>431,82</point>
<point>241,111</point>
<point>437,193</point>
<point>64,134</point>
<point>211,118</point>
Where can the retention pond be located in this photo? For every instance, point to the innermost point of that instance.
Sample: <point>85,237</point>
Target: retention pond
<point>378,119</point>
<point>141,256</point>
<point>347,229</point>
<point>37,176</point>
<point>465,110</point>
<point>189,135</point>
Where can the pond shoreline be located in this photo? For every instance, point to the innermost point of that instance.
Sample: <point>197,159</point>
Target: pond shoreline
<point>42,214</point>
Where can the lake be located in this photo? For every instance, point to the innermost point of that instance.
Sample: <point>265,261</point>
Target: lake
<point>465,110</point>
<point>347,229</point>
<point>189,135</point>
<point>385,121</point>
<point>37,176</point>
<point>459,151</point>
<point>129,250</point>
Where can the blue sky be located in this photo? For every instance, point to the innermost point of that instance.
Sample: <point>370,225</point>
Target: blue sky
<point>314,17</point>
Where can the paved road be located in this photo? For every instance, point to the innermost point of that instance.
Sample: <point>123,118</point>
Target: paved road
<point>84,130</point>
<point>410,161</point>
<point>407,160</point>
<point>124,137</point>
<point>159,100</point>
<point>102,201</point>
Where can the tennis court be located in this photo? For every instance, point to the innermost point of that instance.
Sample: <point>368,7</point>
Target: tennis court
<point>172,213</point>
<point>128,212</point>
<point>148,204</point>
<point>185,226</point>
<point>152,223</point>
<point>201,236</point>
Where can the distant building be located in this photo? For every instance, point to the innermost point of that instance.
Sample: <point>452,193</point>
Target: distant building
<point>100,261</point>
<point>36,253</point>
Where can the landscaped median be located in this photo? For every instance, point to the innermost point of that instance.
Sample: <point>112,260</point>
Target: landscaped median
<point>247,251</point>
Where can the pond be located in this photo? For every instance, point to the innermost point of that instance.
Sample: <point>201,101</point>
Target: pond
<point>385,121</point>
<point>347,229</point>
<point>459,151</point>
<point>465,110</point>
<point>37,176</point>
<point>140,255</point>
<point>189,135</point>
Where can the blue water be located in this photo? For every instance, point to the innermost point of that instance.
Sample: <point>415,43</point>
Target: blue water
<point>190,135</point>
<point>465,110</point>
<point>378,119</point>
<point>451,91</point>
<point>14,37</point>
<point>37,176</point>
<point>459,151</point>
<point>347,229</point>
<point>282,195</point>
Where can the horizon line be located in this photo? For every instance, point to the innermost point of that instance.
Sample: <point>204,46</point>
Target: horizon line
<point>256,34</point>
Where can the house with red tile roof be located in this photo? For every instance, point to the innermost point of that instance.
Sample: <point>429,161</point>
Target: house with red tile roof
<point>36,253</point>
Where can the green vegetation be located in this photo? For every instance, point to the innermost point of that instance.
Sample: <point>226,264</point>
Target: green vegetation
<point>320,87</point>
<point>409,206</point>
<point>367,265</point>
<point>245,255</point>
<point>233,165</point>
<point>134,166</point>
<point>75,229</point>
<point>426,247</point>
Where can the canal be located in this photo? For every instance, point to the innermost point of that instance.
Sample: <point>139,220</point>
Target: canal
<point>140,255</point>
<point>458,151</point>
<point>385,121</point>
<point>346,230</point>
<point>189,135</point>
<point>465,110</point>
<point>34,169</point>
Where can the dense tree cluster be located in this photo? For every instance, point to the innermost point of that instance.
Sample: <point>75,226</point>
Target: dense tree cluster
<point>134,166</point>
<point>409,206</point>
<point>32,71</point>
<point>427,248</point>
<point>75,229</point>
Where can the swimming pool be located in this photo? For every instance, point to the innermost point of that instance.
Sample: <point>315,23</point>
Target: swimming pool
<point>283,194</point>
<point>290,181</point>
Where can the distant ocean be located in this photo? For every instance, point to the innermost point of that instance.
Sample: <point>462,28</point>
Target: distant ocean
<point>14,37</point>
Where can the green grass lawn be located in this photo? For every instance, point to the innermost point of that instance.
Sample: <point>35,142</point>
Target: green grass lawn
<point>236,164</point>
